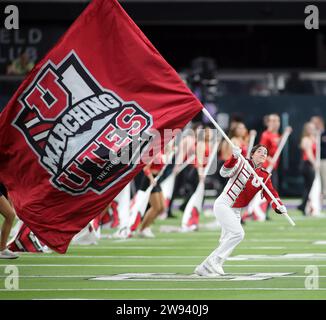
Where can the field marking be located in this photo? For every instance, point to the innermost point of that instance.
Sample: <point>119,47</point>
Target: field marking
<point>162,289</point>
<point>278,233</point>
<point>215,238</point>
<point>177,247</point>
<point>320,242</point>
<point>280,240</point>
<point>157,265</point>
<point>286,256</point>
<point>243,257</point>
<point>31,255</point>
<point>260,276</point>
<point>240,257</point>
<point>160,248</point>
<point>152,279</point>
<point>105,246</point>
<point>142,247</point>
<point>114,257</point>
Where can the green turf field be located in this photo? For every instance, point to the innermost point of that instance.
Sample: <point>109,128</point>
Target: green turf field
<point>161,268</point>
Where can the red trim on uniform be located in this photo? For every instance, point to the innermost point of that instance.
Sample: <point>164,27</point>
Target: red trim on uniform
<point>234,183</point>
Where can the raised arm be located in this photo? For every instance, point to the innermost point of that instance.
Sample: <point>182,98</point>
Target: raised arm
<point>231,166</point>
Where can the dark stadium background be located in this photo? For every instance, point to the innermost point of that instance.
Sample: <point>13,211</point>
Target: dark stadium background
<point>250,42</point>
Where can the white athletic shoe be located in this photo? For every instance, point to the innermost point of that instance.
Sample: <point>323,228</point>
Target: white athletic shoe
<point>216,265</point>
<point>7,254</point>
<point>192,228</point>
<point>122,233</point>
<point>146,233</point>
<point>219,270</point>
<point>204,270</point>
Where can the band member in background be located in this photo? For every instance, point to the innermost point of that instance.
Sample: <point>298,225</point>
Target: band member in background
<point>318,121</point>
<point>238,192</point>
<point>199,146</point>
<point>271,139</point>
<point>156,200</point>
<point>203,150</point>
<point>239,136</point>
<point>308,164</point>
<point>185,152</point>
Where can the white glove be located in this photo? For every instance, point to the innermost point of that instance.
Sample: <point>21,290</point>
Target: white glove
<point>281,209</point>
<point>236,151</point>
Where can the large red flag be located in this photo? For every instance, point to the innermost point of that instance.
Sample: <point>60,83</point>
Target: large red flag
<point>102,88</point>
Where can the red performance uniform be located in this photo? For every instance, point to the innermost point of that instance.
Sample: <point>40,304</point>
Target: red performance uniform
<point>205,158</point>
<point>242,186</point>
<point>314,150</point>
<point>271,141</point>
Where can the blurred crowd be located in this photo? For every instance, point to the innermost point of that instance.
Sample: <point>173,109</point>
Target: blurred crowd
<point>21,65</point>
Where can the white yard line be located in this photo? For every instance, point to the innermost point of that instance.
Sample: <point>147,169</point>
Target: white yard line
<point>280,240</point>
<point>163,289</point>
<point>143,247</point>
<point>210,238</point>
<point>27,255</point>
<point>172,247</point>
<point>234,258</point>
<point>157,265</point>
<point>153,279</point>
<point>105,246</point>
<point>161,248</point>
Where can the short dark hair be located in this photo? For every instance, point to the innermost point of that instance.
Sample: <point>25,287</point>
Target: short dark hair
<point>254,149</point>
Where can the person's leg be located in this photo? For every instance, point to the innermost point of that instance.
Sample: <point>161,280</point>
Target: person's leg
<point>305,191</point>
<point>309,176</point>
<point>192,183</point>
<point>162,200</point>
<point>156,201</point>
<point>179,180</point>
<point>232,235</point>
<point>323,176</point>
<point>9,214</point>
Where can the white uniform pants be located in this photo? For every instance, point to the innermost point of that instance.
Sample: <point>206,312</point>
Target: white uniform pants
<point>232,231</point>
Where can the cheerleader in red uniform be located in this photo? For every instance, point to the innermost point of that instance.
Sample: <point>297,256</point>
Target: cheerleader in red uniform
<point>271,139</point>
<point>201,150</point>
<point>156,200</point>
<point>309,163</point>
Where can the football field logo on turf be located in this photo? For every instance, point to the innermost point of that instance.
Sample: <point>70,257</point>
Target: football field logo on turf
<point>190,277</point>
<point>84,135</point>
